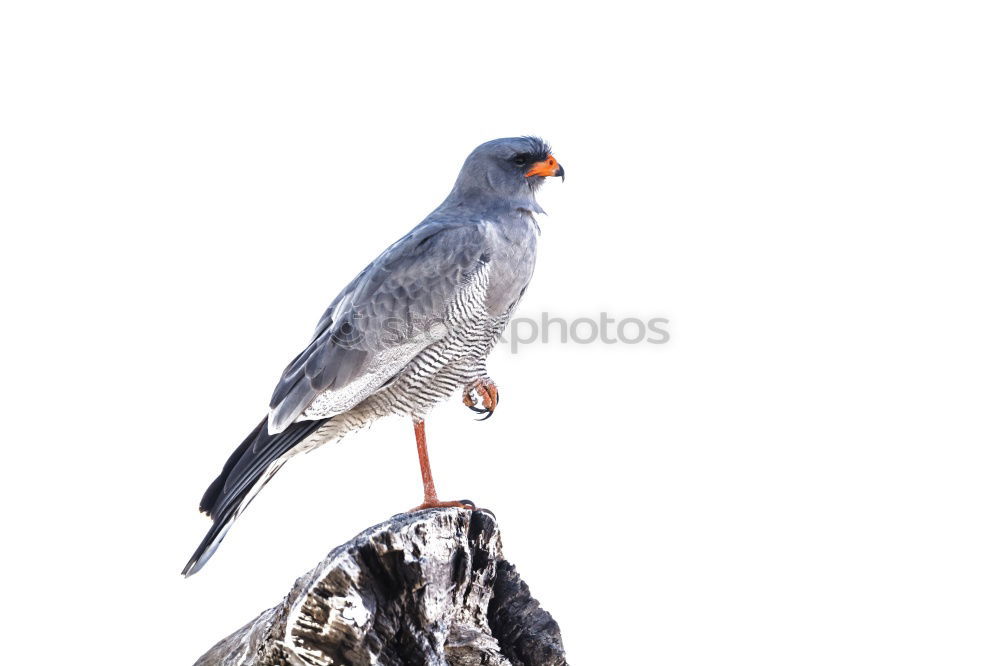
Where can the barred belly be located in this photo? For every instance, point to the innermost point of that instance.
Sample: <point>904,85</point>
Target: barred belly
<point>451,363</point>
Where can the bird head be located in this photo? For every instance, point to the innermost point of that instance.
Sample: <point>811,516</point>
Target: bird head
<point>510,169</point>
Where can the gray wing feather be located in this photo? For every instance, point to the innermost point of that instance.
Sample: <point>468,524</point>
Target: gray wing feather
<point>377,324</point>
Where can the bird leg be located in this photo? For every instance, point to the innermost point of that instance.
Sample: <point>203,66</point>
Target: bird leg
<point>431,500</point>
<point>488,395</point>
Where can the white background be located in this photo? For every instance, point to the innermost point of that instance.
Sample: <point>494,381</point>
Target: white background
<point>805,474</point>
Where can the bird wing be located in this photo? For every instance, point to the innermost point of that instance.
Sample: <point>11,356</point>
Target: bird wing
<point>380,321</point>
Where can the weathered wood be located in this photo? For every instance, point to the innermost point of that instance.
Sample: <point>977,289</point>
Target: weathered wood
<point>429,588</point>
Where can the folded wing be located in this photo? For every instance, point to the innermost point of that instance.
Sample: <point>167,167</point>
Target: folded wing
<point>379,322</point>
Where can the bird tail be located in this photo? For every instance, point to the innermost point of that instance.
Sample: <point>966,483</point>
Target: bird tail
<point>246,471</point>
<point>208,545</point>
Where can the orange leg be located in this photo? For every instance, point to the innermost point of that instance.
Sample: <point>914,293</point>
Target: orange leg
<point>431,500</point>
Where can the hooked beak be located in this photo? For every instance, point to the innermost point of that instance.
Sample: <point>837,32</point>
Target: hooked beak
<point>547,167</point>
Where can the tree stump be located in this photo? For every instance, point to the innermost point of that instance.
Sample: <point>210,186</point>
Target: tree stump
<point>427,588</point>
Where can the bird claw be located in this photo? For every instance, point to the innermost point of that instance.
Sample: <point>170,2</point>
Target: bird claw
<point>436,504</point>
<point>488,394</point>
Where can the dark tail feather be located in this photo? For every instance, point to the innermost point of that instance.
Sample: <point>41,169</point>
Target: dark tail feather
<point>211,495</point>
<point>227,495</point>
<point>208,545</point>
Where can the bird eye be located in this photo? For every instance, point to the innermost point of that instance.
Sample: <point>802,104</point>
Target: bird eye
<point>520,160</point>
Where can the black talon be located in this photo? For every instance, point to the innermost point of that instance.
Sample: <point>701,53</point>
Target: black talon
<point>487,415</point>
<point>478,410</point>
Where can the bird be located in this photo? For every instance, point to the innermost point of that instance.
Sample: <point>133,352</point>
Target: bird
<point>412,329</point>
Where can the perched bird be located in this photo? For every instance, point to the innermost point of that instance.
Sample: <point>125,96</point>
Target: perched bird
<point>411,329</point>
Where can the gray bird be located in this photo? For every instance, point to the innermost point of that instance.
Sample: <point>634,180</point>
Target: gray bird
<point>410,330</point>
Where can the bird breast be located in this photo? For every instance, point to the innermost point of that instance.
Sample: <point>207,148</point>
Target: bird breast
<point>512,262</point>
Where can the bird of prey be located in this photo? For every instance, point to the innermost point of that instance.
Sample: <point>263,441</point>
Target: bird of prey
<point>414,327</point>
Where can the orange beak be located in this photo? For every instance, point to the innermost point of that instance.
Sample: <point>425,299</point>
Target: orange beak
<point>547,167</point>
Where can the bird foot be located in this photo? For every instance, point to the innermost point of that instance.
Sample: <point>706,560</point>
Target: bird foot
<point>488,394</point>
<point>437,504</point>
